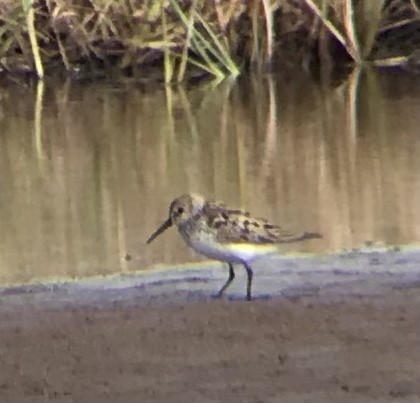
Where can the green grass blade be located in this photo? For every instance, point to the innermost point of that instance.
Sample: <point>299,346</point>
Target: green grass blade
<point>201,66</point>
<point>369,16</point>
<point>184,57</point>
<point>200,44</point>
<point>30,22</point>
<point>223,55</point>
<point>351,50</point>
<point>167,60</point>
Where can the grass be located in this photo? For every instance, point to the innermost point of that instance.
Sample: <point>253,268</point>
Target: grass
<point>28,9</point>
<point>180,40</point>
<point>353,24</point>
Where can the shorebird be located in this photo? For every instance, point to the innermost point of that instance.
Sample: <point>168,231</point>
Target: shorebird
<point>224,234</point>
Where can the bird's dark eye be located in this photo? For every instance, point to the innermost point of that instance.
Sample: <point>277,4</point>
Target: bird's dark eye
<point>180,210</point>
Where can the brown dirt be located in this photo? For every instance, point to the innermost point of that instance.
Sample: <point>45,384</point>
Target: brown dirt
<point>359,348</point>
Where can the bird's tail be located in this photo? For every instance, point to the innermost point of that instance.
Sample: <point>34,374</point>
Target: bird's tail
<point>300,237</point>
<point>310,235</point>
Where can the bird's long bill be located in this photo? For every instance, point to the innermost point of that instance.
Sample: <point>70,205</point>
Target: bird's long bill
<point>162,228</point>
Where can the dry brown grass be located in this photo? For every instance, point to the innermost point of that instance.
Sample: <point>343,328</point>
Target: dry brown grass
<point>177,39</point>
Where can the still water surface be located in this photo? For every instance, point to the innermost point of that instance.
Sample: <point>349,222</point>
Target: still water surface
<point>88,170</point>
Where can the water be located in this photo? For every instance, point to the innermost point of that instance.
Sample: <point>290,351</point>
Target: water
<point>88,170</point>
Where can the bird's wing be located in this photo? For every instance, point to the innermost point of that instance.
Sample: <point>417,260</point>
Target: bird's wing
<point>237,226</point>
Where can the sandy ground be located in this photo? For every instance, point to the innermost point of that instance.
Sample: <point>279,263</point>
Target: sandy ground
<point>351,336</point>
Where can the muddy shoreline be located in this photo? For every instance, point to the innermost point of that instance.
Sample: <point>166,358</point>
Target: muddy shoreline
<point>342,328</point>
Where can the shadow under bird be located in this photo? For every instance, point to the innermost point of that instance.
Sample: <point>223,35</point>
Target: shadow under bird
<point>224,234</point>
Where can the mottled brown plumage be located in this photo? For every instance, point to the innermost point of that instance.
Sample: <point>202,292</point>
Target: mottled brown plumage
<point>237,226</point>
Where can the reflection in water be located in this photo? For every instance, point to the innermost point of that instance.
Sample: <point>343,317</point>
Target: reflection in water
<point>88,176</point>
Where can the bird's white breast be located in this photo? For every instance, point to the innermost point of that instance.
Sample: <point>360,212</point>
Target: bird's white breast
<point>205,244</point>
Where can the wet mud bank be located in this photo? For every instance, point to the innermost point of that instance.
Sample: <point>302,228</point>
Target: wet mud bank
<point>340,328</point>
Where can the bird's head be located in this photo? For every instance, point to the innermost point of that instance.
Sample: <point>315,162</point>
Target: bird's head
<point>181,210</point>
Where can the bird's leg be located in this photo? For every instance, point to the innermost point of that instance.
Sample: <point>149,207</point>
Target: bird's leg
<point>229,280</point>
<point>249,284</point>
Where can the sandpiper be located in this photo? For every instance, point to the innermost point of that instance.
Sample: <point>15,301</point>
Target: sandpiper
<point>224,234</point>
